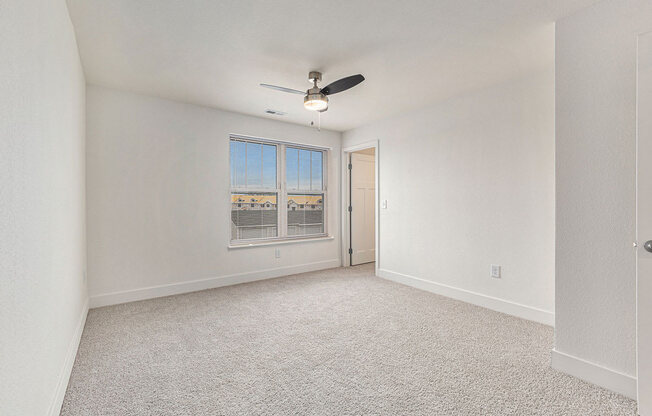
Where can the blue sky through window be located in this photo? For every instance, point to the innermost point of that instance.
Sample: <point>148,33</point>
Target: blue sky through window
<point>316,183</point>
<point>304,169</point>
<point>269,166</point>
<point>238,160</point>
<point>253,165</point>
<point>292,168</point>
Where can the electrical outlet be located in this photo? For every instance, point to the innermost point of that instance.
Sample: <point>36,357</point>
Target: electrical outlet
<point>277,253</point>
<point>495,271</point>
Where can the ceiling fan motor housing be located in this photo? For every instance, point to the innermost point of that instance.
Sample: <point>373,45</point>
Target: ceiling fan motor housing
<point>314,76</point>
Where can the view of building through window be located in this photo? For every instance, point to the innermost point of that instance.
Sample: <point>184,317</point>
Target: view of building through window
<point>253,216</point>
<point>256,189</point>
<point>305,214</point>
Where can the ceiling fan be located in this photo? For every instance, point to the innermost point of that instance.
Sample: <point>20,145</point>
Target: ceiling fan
<point>315,98</point>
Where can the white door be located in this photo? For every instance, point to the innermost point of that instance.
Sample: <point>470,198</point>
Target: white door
<point>644,226</point>
<point>363,189</point>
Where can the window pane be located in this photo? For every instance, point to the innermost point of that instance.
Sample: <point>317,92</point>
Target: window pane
<point>253,215</point>
<point>304,169</point>
<point>269,166</point>
<point>317,167</point>
<point>254,165</point>
<point>238,162</point>
<point>292,168</point>
<point>232,158</point>
<point>305,214</point>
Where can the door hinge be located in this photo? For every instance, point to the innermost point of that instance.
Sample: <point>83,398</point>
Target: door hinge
<point>350,208</point>
<point>350,166</point>
<point>350,251</point>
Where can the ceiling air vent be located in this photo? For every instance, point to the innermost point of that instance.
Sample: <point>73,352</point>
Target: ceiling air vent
<point>275,112</point>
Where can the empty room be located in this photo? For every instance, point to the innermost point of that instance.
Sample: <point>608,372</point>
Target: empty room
<point>428,207</point>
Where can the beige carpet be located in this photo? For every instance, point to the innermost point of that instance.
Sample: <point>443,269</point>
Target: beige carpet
<point>336,342</point>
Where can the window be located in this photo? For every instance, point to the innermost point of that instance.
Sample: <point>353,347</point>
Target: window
<point>281,204</point>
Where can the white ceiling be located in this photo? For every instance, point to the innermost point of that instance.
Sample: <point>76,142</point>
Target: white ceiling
<point>216,52</point>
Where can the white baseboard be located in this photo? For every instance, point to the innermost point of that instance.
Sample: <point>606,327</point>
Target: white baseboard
<point>596,374</point>
<point>210,283</point>
<point>64,375</point>
<point>489,302</point>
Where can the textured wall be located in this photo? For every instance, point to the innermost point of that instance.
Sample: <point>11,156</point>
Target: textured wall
<point>42,248</point>
<point>595,182</point>
<point>470,183</point>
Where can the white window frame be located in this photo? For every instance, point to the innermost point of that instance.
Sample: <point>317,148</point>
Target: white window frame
<point>281,191</point>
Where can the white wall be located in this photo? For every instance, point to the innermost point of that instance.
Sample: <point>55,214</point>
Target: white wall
<point>595,153</point>
<point>42,235</point>
<point>159,202</point>
<point>470,183</point>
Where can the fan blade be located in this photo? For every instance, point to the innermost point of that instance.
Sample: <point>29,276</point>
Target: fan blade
<point>342,84</point>
<point>290,90</point>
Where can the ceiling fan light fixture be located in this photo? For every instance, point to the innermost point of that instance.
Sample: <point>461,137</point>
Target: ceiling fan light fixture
<point>315,102</point>
<point>316,99</point>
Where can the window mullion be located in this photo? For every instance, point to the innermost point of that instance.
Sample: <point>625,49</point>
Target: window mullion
<point>246,167</point>
<point>282,212</point>
<point>262,152</point>
<point>324,183</point>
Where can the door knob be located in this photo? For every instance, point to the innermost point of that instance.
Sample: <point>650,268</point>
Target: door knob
<point>648,245</point>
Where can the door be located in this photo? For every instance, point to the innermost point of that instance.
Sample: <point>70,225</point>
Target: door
<point>644,226</point>
<point>363,212</point>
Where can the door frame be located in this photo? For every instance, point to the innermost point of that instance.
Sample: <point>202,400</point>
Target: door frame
<point>344,198</point>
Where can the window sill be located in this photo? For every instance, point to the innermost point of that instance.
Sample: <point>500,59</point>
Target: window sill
<point>233,246</point>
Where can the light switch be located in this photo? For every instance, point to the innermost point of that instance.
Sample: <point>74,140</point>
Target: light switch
<point>384,204</point>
